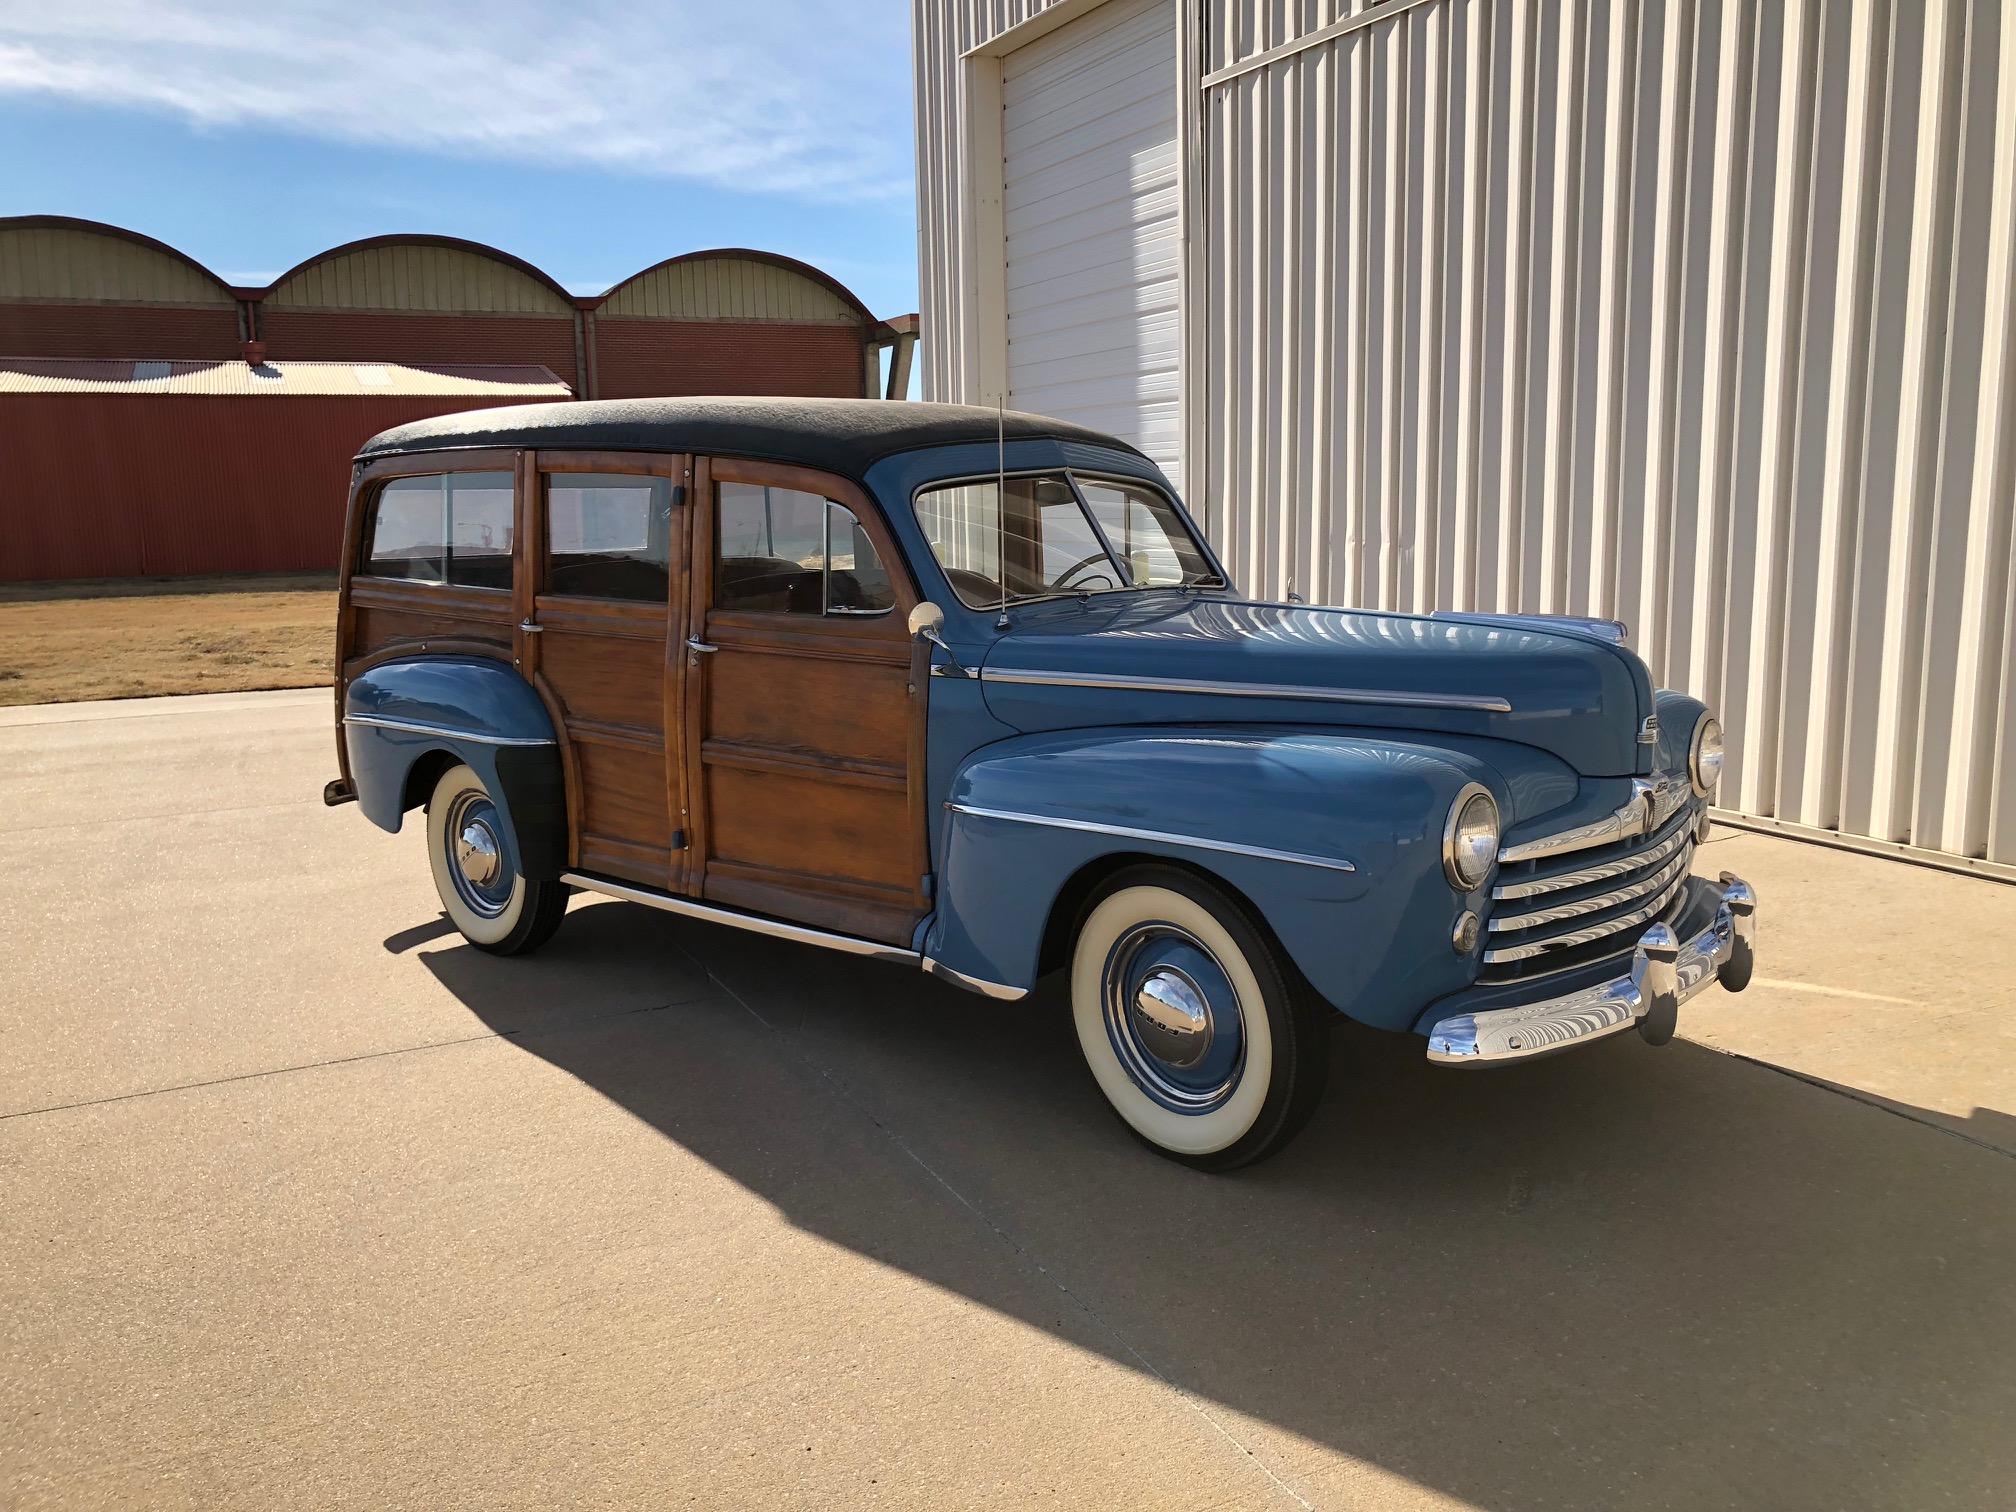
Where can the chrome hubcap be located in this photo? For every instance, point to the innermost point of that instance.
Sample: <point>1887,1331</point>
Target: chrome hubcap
<point>474,837</point>
<point>1173,1018</point>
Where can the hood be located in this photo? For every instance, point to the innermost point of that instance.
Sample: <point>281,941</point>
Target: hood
<point>1165,658</point>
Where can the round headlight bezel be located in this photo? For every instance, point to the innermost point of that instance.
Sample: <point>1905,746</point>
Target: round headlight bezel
<point>1707,730</point>
<point>1465,863</point>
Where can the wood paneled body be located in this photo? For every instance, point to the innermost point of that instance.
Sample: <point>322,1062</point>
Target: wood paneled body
<point>777,767</point>
<point>807,733</point>
<point>608,669</point>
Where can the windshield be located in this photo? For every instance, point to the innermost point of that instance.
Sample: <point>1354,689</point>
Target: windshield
<point>1058,534</point>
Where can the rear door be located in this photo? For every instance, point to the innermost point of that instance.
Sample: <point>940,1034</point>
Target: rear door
<point>805,732</point>
<point>603,605</point>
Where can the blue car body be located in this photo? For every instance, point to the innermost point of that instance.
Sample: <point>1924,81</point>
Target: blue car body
<point>1305,758</point>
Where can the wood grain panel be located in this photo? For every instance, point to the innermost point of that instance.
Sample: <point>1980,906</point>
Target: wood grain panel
<point>848,709</point>
<point>623,795</point>
<point>607,679</point>
<point>379,629</point>
<point>804,900</point>
<point>810,826</point>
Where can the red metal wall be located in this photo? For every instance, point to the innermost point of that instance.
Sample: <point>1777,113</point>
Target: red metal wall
<point>137,485</point>
<point>420,338</point>
<point>187,333</point>
<point>637,358</point>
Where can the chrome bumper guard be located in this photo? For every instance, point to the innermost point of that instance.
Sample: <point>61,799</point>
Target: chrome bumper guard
<point>1665,972</point>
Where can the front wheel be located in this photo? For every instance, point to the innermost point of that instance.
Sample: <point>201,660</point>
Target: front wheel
<point>496,909</point>
<point>1203,1038</point>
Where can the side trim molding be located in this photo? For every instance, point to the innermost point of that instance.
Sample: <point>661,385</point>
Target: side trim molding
<point>776,928</point>
<point>415,727</point>
<point>1001,992</point>
<point>1126,832</point>
<point>1478,702</point>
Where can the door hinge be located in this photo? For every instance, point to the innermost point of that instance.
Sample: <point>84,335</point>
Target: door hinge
<point>678,839</point>
<point>678,494</point>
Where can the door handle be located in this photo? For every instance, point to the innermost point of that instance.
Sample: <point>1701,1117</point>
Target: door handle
<point>694,644</point>
<point>529,628</point>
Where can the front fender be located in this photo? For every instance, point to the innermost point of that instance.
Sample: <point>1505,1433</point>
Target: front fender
<point>1335,839</point>
<point>476,711</point>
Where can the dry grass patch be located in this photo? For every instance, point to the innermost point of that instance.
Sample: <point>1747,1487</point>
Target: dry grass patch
<point>60,643</point>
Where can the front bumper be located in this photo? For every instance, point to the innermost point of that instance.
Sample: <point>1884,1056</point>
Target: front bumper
<point>1665,972</point>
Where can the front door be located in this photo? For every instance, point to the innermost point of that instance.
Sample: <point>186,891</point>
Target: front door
<point>806,734</point>
<point>603,617</point>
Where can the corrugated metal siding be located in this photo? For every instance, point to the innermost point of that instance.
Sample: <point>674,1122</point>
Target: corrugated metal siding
<point>386,336</point>
<point>1701,313</point>
<point>275,380</point>
<point>112,330</point>
<point>416,277</point>
<point>122,486</point>
<point>728,288</point>
<point>637,359</point>
<point>64,263</point>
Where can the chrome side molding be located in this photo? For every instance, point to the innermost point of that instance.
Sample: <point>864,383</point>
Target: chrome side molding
<point>1165,837</point>
<point>1126,683</point>
<point>801,934</point>
<point>650,897</point>
<point>416,727</point>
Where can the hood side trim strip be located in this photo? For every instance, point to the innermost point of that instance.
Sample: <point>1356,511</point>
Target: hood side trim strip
<point>1481,703</point>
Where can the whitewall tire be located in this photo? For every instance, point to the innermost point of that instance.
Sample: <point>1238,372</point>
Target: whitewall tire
<point>1202,1037</point>
<point>494,907</point>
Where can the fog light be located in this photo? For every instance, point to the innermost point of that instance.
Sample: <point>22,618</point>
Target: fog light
<point>1465,936</point>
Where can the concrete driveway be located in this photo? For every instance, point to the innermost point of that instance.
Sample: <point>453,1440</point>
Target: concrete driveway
<point>304,1203</point>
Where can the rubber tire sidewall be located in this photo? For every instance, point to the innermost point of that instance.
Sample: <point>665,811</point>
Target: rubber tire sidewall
<point>487,934</point>
<point>1279,1084</point>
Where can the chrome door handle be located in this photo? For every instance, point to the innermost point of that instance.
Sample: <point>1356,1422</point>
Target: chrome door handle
<point>529,628</point>
<point>693,644</point>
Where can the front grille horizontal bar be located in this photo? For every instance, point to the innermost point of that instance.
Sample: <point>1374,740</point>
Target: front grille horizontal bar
<point>1637,888</point>
<point>1526,950</point>
<point>1530,887</point>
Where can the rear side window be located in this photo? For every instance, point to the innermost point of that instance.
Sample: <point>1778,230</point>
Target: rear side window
<point>608,536</point>
<point>443,528</point>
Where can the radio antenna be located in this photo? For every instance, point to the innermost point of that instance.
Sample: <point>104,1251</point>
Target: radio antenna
<point>1001,503</point>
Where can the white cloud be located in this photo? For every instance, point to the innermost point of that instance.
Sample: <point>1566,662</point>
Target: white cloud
<point>796,96</point>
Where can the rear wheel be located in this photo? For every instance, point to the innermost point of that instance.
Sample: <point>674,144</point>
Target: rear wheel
<point>496,909</point>
<point>1204,1039</point>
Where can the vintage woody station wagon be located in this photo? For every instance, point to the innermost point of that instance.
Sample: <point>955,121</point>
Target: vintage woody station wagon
<point>969,692</point>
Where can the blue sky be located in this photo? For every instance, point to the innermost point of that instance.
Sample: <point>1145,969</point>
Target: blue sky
<point>590,138</point>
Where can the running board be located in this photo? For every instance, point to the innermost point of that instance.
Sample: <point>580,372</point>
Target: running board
<point>650,897</point>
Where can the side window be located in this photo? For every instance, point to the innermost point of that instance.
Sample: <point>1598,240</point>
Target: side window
<point>784,551</point>
<point>443,528</point>
<point>608,536</point>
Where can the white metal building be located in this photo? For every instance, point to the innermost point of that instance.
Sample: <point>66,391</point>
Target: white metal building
<point>1700,314</point>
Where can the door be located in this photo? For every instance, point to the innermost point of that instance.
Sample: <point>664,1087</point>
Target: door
<point>806,745</point>
<point>1090,199</point>
<point>603,614</point>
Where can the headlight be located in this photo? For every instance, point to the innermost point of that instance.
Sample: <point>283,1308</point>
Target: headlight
<point>1470,842</point>
<point>1704,757</point>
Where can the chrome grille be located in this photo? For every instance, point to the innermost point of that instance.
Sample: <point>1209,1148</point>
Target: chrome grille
<point>1544,911</point>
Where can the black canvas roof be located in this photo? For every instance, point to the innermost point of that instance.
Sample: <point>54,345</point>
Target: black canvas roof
<point>847,436</point>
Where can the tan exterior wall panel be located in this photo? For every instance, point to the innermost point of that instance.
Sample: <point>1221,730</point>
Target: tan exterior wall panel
<point>416,276</point>
<point>728,288</point>
<point>70,264</point>
<point>1698,315</point>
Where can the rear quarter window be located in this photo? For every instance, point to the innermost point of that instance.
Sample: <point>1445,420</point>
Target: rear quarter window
<point>456,528</point>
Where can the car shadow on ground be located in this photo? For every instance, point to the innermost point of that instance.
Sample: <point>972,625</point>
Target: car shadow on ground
<point>1624,1277</point>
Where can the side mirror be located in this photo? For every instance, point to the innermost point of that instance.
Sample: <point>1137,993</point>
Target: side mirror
<point>926,620</point>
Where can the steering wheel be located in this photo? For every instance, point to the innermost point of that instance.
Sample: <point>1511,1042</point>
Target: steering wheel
<point>1097,558</point>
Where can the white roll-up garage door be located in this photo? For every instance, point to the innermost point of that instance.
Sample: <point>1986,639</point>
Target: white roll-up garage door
<point>1089,175</point>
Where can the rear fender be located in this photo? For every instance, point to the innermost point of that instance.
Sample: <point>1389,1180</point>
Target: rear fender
<point>413,710</point>
<point>1335,841</point>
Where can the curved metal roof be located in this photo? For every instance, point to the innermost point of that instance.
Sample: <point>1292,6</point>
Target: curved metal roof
<point>840,435</point>
<point>775,259</point>
<point>117,233</point>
